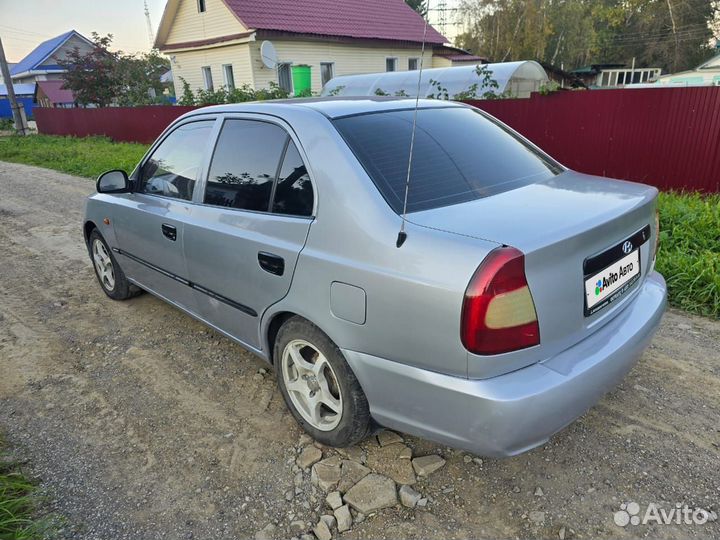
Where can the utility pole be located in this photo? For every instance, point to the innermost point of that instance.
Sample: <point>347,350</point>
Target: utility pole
<point>17,113</point>
<point>150,31</point>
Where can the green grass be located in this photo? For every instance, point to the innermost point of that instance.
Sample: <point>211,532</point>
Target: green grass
<point>88,156</point>
<point>689,255</point>
<point>18,502</point>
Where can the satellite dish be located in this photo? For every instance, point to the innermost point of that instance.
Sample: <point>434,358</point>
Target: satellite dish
<point>268,54</point>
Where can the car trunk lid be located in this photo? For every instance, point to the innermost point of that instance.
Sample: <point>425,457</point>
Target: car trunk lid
<point>558,224</point>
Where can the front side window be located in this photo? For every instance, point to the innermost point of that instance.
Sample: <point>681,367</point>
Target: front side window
<point>245,164</point>
<point>207,78</point>
<point>413,64</point>
<point>294,191</point>
<point>174,165</point>
<point>390,64</point>
<point>459,155</point>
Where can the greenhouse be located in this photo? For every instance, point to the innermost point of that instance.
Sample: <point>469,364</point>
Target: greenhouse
<point>516,79</point>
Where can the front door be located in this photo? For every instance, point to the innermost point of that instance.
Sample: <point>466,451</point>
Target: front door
<point>242,242</point>
<point>150,227</point>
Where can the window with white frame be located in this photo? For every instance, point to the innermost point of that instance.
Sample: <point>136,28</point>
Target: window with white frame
<point>285,77</point>
<point>413,64</point>
<point>391,64</point>
<point>229,76</point>
<point>327,71</point>
<point>207,78</point>
<point>201,6</point>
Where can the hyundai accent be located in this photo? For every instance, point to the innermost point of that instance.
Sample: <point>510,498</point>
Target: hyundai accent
<point>518,294</point>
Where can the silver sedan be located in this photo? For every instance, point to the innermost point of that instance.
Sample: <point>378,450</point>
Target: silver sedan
<point>518,293</point>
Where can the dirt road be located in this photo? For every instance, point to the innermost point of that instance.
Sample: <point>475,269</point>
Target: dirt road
<point>142,423</point>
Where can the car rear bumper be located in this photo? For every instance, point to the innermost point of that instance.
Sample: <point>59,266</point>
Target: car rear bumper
<point>512,413</point>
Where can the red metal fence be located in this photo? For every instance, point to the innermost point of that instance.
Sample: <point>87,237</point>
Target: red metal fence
<point>666,137</point>
<point>130,124</point>
<point>669,138</point>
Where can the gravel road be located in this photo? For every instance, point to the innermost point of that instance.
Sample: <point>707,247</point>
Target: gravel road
<point>141,423</point>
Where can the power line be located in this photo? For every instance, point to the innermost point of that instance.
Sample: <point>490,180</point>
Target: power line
<point>649,41</point>
<point>23,31</point>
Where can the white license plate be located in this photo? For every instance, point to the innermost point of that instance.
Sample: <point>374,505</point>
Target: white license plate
<point>611,282</point>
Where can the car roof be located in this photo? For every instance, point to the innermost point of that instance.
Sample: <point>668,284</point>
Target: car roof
<point>331,107</point>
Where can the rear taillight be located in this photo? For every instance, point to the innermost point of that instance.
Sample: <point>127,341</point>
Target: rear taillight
<point>498,313</point>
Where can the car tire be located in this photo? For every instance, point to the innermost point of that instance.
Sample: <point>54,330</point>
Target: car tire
<point>309,364</point>
<point>112,279</point>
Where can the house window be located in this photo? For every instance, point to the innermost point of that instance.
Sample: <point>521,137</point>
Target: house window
<point>327,71</point>
<point>285,78</point>
<point>201,6</point>
<point>207,77</point>
<point>391,64</point>
<point>413,64</point>
<point>229,77</point>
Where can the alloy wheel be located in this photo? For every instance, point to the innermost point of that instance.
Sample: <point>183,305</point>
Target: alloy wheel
<point>312,385</point>
<point>103,265</point>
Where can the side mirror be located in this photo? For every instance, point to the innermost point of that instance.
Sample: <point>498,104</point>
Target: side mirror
<point>115,181</point>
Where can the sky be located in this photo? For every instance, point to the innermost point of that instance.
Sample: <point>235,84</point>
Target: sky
<point>25,24</point>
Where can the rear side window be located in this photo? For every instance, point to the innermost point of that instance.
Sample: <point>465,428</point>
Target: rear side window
<point>175,163</point>
<point>294,192</point>
<point>459,155</point>
<point>245,164</point>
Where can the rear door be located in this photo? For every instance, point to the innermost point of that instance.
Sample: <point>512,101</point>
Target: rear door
<point>150,226</point>
<point>243,239</point>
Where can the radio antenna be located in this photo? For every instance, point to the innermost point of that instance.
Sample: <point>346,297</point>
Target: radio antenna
<point>402,235</point>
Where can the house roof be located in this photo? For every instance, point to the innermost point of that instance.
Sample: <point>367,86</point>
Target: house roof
<point>390,20</point>
<point>713,63</point>
<point>374,19</point>
<point>20,89</point>
<point>571,77</point>
<point>463,58</point>
<point>594,69</point>
<point>41,53</point>
<point>456,54</point>
<point>55,92</point>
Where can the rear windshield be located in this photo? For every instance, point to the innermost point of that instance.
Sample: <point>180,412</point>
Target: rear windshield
<point>459,155</point>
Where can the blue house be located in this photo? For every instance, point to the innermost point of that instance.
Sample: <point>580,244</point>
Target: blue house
<point>42,63</point>
<point>24,93</point>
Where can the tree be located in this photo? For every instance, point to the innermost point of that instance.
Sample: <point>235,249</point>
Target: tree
<point>140,78</point>
<point>672,34</point>
<point>103,77</point>
<point>418,5</point>
<point>92,76</point>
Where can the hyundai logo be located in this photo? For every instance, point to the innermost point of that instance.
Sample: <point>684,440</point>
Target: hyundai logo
<point>627,247</point>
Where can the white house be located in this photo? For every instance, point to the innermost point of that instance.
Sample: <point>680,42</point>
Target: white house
<point>213,43</point>
<point>706,74</point>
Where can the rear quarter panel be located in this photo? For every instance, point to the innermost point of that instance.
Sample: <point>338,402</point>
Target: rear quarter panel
<point>413,293</point>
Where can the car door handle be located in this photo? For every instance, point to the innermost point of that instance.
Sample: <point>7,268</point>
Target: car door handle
<point>271,263</point>
<point>169,231</point>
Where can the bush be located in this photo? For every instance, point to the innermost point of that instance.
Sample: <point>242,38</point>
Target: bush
<point>689,255</point>
<point>222,95</point>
